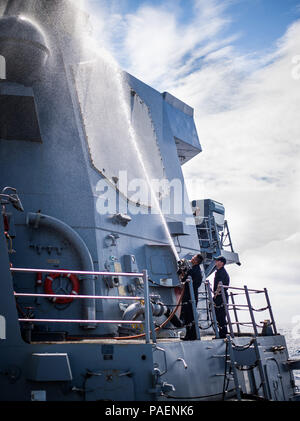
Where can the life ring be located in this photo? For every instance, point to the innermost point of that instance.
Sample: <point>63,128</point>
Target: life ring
<point>49,290</point>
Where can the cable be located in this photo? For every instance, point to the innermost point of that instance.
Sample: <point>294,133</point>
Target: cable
<point>260,309</point>
<point>161,326</point>
<point>62,308</point>
<point>9,242</point>
<point>244,347</point>
<point>205,328</point>
<point>20,310</point>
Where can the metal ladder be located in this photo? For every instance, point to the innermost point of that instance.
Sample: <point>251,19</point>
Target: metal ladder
<point>213,237</point>
<point>226,236</point>
<point>233,360</point>
<point>211,231</point>
<point>229,358</point>
<point>253,346</point>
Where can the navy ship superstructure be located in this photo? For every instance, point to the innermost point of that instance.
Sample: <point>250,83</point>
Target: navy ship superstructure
<point>87,295</point>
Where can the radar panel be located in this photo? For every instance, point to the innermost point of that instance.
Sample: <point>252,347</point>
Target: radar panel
<point>118,127</point>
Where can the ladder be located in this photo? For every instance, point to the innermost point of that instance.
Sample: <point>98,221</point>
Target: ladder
<point>250,356</point>
<point>236,361</point>
<point>208,235</point>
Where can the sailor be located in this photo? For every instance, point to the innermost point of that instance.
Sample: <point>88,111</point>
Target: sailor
<point>187,315</point>
<point>221,275</point>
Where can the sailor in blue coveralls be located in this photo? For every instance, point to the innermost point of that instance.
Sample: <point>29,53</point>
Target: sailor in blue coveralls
<point>221,276</point>
<point>187,315</point>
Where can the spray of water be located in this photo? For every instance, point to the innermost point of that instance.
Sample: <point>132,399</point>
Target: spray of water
<point>119,78</point>
<point>132,135</point>
<point>124,105</point>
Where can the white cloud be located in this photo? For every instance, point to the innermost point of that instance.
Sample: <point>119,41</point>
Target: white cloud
<point>275,266</point>
<point>157,42</point>
<point>153,41</point>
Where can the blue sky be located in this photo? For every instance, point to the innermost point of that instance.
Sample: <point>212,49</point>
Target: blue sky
<point>252,27</point>
<point>262,22</point>
<point>259,22</point>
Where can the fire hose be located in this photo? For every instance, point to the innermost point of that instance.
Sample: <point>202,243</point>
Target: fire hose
<point>141,335</point>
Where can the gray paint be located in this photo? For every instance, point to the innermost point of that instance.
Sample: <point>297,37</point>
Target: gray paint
<point>57,178</point>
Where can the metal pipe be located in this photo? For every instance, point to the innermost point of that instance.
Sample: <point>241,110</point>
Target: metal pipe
<point>147,306</point>
<point>235,313</point>
<point>242,289</point>
<point>39,220</point>
<point>270,311</point>
<point>251,311</point>
<point>226,310</point>
<point>76,272</point>
<point>183,362</point>
<point>213,312</point>
<point>157,348</point>
<point>79,321</point>
<point>195,314</point>
<point>96,297</point>
<point>152,326</point>
<point>133,311</point>
<point>137,309</point>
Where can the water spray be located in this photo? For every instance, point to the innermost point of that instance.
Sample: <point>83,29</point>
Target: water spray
<point>118,75</point>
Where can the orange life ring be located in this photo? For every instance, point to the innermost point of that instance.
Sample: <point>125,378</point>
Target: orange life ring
<point>49,290</point>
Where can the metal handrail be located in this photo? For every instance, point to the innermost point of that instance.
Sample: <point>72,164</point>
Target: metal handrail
<point>259,291</point>
<point>212,309</point>
<point>81,321</point>
<point>76,272</point>
<point>235,312</point>
<point>235,307</point>
<point>249,323</point>
<point>248,306</point>
<point>148,314</point>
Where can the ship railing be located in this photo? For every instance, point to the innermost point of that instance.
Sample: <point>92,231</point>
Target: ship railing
<point>235,307</point>
<point>148,322</point>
